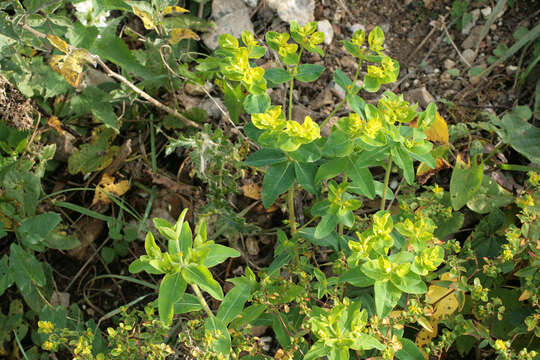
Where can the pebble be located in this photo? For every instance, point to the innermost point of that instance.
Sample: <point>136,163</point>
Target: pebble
<point>449,64</point>
<point>416,82</point>
<point>355,27</point>
<point>469,56</point>
<point>301,11</point>
<point>511,69</point>
<point>337,90</point>
<point>419,95</point>
<point>475,16</point>
<point>231,17</point>
<point>326,28</point>
<point>473,38</point>
<point>486,11</point>
<point>493,27</point>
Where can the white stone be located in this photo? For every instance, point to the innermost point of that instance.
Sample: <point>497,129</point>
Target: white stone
<point>326,28</point>
<point>486,11</point>
<point>300,11</point>
<point>251,3</point>
<point>420,96</point>
<point>469,56</point>
<point>231,17</point>
<point>468,27</point>
<point>355,27</point>
<point>449,64</point>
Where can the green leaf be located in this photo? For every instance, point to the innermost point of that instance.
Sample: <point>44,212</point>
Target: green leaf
<point>249,315</point>
<point>220,338</point>
<point>152,249</point>
<point>342,79</point>
<point>307,153</point>
<point>305,174</point>
<point>93,156</point>
<point>265,157</point>
<point>35,229</point>
<point>465,181</point>
<point>187,303</point>
<point>6,278</point>
<point>25,269</point>
<point>277,76</point>
<point>489,197</point>
<point>404,161</point>
<point>186,238</point>
<point>366,342</point>
<point>233,303</point>
<point>410,283</point>
<point>339,144</point>
<point>361,177</point>
<point>277,180</point>
<point>386,297</point>
<point>521,135</point>
<point>255,104</point>
<point>114,49</point>
<point>330,169</point>
<point>356,277</point>
<point>327,224</point>
<point>409,351</point>
<point>201,276</point>
<point>218,254</point>
<point>317,351</point>
<point>371,84</point>
<point>281,332</point>
<point>357,104</point>
<point>108,254</point>
<point>309,72</point>
<point>171,289</point>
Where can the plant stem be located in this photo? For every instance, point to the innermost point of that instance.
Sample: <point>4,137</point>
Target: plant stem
<point>201,300</point>
<point>386,179</point>
<point>340,228</point>
<point>290,204</point>
<point>342,102</point>
<point>291,99</point>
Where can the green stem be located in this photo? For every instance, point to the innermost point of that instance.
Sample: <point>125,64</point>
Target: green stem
<point>205,306</point>
<point>342,102</point>
<point>386,180</point>
<point>290,204</point>
<point>340,229</point>
<point>291,99</point>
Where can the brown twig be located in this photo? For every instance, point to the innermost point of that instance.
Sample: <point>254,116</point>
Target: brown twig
<point>128,83</point>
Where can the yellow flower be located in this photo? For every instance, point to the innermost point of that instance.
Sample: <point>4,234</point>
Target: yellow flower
<point>376,72</point>
<point>248,39</point>
<point>286,49</point>
<point>45,327</point>
<point>316,38</point>
<point>272,119</point>
<point>305,133</point>
<point>252,74</point>
<point>358,37</point>
<point>47,345</point>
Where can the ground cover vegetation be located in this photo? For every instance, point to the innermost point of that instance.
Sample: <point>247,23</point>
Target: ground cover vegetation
<point>129,219</point>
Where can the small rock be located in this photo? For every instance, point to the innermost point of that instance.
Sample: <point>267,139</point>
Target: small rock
<point>231,17</point>
<point>473,38</point>
<point>449,64</point>
<point>493,27</point>
<point>251,3</point>
<point>252,246</point>
<point>420,96</point>
<point>445,77</point>
<point>436,71</point>
<point>300,11</point>
<point>393,184</point>
<point>486,11</point>
<point>416,82</point>
<point>327,128</point>
<point>326,28</point>
<point>337,90</point>
<point>469,56</point>
<point>212,109</point>
<point>468,27</point>
<point>355,27</point>
<point>386,27</point>
<point>197,90</point>
<point>349,62</point>
<point>511,69</point>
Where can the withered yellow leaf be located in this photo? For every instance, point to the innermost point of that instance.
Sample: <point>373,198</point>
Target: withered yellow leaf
<point>55,123</point>
<point>424,338</point>
<point>83,56</point>
<point>58,43</point>
<point>174,10</point>
<point>181,34</point>
<point>56,62</point>
<point>252,191</point>
<point>438,131</point>
<point>146,18</point>
<point>525,295</point>
<point>445,300</point>
<point>107,184</point>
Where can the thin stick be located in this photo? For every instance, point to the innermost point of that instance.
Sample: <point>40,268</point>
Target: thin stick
<point>454,44</point>
<point>128,83</point>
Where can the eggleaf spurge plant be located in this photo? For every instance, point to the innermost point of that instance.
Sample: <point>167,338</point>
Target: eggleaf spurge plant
<point>186,262</point>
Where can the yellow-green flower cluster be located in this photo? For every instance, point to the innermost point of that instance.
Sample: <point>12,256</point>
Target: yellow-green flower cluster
<point>355,126</point>
<point>395,109</point>
<point>385,72</point>
<point>288,135</point>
